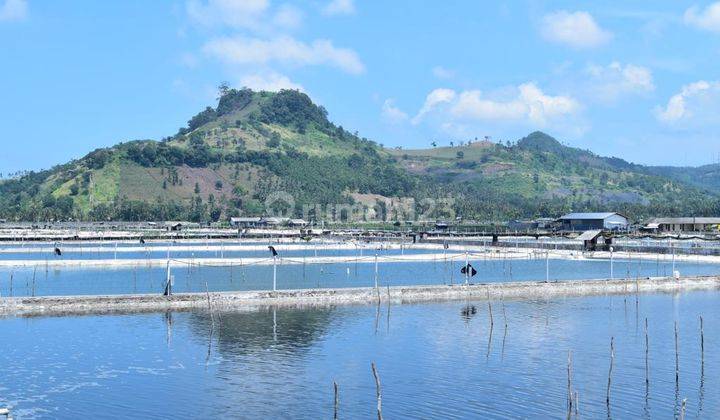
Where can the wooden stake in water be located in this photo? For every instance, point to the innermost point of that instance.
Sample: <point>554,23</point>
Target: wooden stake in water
<point>274,273</point>
<point>682,409</point>
<point>677,357</point>
<point>547,266</point>
<point>377,289</point>
<point>467,272</point>
<point>212,318</point>
<point>672,246</point>
<point>612,363</point>
<point>378,391</point>
<point>569,385</point>
<point>33,281</point>
<point>647,354</point>
<point>337,400</point>
<point>702,341</point>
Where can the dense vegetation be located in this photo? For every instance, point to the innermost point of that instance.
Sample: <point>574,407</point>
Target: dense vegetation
<point>231,159</point>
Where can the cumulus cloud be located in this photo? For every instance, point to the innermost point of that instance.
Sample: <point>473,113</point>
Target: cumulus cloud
<point>339,7</point>
<point>707,19</point>
<point>615,80</point>
<point>696,103</point>
<point>433,99</point>
<point>392,113</point>
<point>269,81</point>
<point>284,50</point>
<point>576,29</point>
<point>13,10</point>
<point>234,13</point>
<point>524,103</point>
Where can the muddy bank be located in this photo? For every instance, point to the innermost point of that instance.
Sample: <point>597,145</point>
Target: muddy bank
<point>76,305</point>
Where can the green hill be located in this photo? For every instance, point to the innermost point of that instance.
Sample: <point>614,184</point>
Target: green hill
<point>234,158</point>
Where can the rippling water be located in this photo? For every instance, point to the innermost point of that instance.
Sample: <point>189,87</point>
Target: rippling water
<point>435,361</point>
<point>44,281</point>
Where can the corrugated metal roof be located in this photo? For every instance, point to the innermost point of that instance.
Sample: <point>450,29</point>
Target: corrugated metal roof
<point>686,220</point>
<point>589,235</point>
<point>586,216</point>
<point>244,219</point>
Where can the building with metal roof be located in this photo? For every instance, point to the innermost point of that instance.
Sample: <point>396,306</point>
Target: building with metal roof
<point>590,221</point>
<point>683,224</point>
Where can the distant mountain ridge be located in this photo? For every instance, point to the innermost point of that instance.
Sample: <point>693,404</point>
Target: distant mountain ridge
<point>234,158</point>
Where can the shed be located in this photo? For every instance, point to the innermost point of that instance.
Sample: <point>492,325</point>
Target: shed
<point>274,221</point>
<point>244,222</point>
<point>297,223</point>
<point>684,224</point>
<point>173,226</point>
<point>590,221</point>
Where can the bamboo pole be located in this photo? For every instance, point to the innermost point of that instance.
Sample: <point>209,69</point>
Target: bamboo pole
<point>377,287</point>
<point>378,391</point>
<point>207,292</point>
<point>647,353</point>
<point>612,363</point>
<point>702,340</point>
<point>492,321</point>
<point>467,272</point>
<point>569,385</point>
<point>677,357</point>
<point>502,352</point>
<point>274,273</point>
<point>682,409</point>
<point>337,401</point>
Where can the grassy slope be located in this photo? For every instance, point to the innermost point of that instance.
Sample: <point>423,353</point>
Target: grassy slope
<point>515,170</point>
<point>537,168</point>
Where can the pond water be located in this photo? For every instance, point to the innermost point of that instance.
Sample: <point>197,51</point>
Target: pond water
<point>42,281</point>
<point>435,360</point>
<point>104,253</point>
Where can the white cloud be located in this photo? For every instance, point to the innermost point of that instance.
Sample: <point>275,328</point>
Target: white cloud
<point>442,73</point>
<point>339,7</point>
<point>433,99</point>
<point>608,83</point>
<point>525,103</point>
<point>707,19</point>
<point>696,103</point>
<point>269,81</point>
<point>288,16</point>
<point>13,10</point>
<point>285,50</point>
<point>392,113</point>
<point>234,13</point>
<point>576,29</point>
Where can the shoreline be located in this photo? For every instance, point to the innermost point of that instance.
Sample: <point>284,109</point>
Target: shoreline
<point>106,304</point>
<point>475,253</point>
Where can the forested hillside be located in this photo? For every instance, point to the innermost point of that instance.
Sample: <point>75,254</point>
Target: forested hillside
<point>230,159</point>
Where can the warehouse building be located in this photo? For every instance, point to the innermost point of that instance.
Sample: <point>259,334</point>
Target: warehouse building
<point>589,221</point>
<point>683,224</point>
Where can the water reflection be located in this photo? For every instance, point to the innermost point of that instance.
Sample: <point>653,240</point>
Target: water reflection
<point>468,311</point>
<point>241,333</point>
<point>282,363</point>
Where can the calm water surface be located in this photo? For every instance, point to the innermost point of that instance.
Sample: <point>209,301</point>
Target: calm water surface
<point>141,279</point>
<point>434,362</point>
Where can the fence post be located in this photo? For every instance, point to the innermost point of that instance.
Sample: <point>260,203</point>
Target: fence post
<point>274,273</point>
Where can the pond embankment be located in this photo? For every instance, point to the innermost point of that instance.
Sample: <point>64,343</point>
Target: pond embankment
<point>76,305</point>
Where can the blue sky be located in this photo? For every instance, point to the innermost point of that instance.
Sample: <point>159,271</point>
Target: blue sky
<point>634,79</point>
